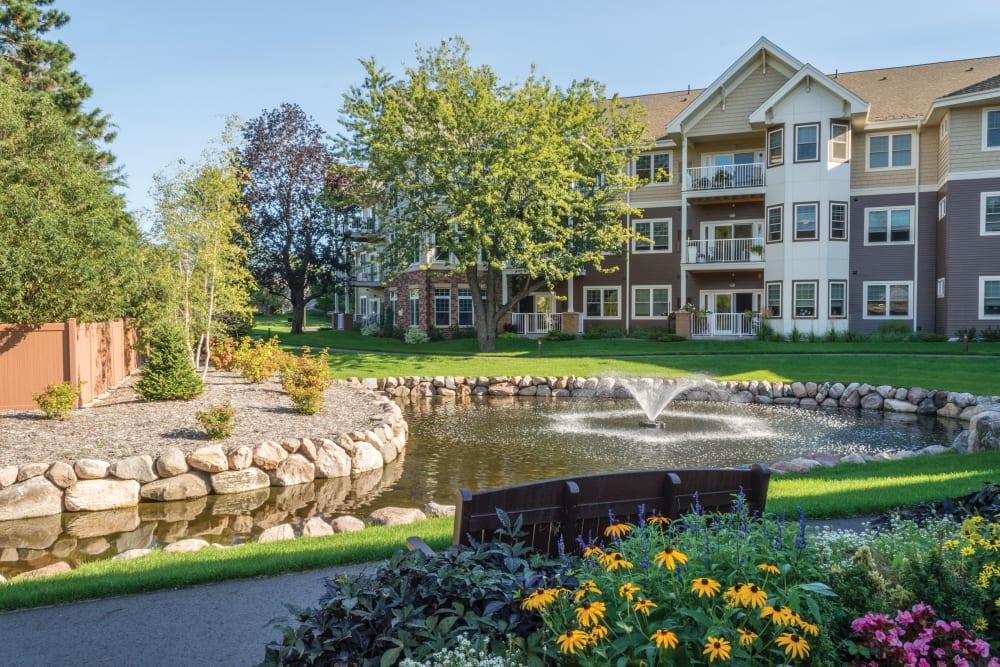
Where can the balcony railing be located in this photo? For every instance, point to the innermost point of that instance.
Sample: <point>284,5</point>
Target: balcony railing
<point>726,177</point>
<point>370,276</point>
<point>535,324</point>
<point>725,324</point>
<point>724,251</point>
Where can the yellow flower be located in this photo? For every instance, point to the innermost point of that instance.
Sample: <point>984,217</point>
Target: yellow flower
<point>598,632</point>
<point>593,551</point>
<point>770,569</point>
<point>778,614</point>
<point>658,521</point>
<point>733,595</point>
<point>746,636</point>
<point>664,638</point>
<point>992,544</point>
<point>586,587</point>
<point>628,590</point>
<point>950,544</point>
<point>539,599</point>
<point>590,613</point>
<point>618,530</point>
<point>807,627</point>
<point>705,586</point>
<point>669,558</point>
<point>643,606</point>
<point>573,640</point>
<point>615,561</point>
<point>981,624</point>
<point>795,646</point>
<point>752,596</point>
<point>968,551</point>
<point>717,647</point>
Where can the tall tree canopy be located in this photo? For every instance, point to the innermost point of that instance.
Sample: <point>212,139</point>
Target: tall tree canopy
<point>43,66</point>
<point>525,175</point>
<point>296,241</point>
<point>67,246</point>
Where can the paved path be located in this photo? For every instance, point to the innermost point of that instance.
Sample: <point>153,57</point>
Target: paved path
<point>221,624</point>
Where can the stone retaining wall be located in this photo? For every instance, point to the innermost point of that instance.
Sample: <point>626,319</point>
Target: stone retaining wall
<point>42,489</point>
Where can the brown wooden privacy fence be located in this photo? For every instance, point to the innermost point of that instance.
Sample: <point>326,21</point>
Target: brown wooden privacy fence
<point>98,354</point>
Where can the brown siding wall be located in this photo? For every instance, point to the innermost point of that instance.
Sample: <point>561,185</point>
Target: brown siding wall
<point>97,354</point>
<point>721,212</point>
<point>969,254</point>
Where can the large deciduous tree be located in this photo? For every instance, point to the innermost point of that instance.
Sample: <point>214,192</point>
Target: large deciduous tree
<point>294,233</point>
<point>529,175</point>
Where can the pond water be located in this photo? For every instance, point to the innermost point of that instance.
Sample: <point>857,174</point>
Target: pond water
<point>481,444</point>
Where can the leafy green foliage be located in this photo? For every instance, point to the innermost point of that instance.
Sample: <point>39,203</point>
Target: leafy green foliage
<point>991,334</point>
<point>304,379</point>
<point>969,333</point>
<point>671,338</point>
<point>168,374</point>
<point>224,353</point>
<point>558,335</point>
<point>414,336</point>
<point>217,421</point>
<point>603,332</point>
<point>57,400</point>
<point>257,360</point>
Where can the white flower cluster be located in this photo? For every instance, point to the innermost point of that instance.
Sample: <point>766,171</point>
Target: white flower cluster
<point>904,536</point>
<point>464,654</point>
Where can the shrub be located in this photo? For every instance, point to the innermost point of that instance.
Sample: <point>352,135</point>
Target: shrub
<point>928,337</point>
<point>463,332</point>
<point>970,332</point>
<point>811,337</point>
<point>991,334</point>
<point>371,329</point>
<point>259,361</point>
<point>57,400</point>
<point>604,332</point>
<point>831,336</point>
<point>670,338</point>
<point>217,421</point>
<point>509,335</point>
<point>415,337</point>
<point>557,335</point>
<point>388,330</point>
<point>224,353</point>
<point>510,328</point>
<point>894,327</point>
<point>795,336</point>
<point>854,337</point>
<point>435,335</point>
<point>168,374</point>
<point>305,379</point>
<point>465,654</point>
<point>766,332</point>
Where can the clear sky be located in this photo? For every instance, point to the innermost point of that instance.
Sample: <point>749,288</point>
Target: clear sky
<point>169,71</point>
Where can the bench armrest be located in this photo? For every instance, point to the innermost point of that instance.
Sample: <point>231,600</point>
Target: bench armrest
<point>417,544</point>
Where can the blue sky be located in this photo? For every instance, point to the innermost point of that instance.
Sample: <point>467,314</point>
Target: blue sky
<point>169,72</point>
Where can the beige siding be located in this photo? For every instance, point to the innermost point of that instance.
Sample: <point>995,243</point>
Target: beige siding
<point>660,192</point>
<point>929,156</point>
<point>740,102</point>
<point>886,178</point>
<point>696,151</point>
<point>965,152</point>
<point>942,156</point>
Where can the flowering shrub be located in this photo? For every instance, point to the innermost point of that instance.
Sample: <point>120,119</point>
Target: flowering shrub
<point>57,400</point>
<point>217,421</point>
<point>305,379</point>
<point>914,637</point>
<point>464,654</point>
<point>224,353</point>
<point>371,329</point>
<point>259,361</point>
<point>709,588</point>
<point>415,337</point>
<point>978,548</point>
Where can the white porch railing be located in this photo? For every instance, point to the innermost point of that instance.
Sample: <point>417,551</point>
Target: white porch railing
<point>725,324</point>
<point>724,250</point>
<point>533,324</point>
<point>368,276</point>
<point>725,177</point>
<point>361,321</point>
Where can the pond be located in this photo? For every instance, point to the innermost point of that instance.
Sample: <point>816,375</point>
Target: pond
<point>481,443</point>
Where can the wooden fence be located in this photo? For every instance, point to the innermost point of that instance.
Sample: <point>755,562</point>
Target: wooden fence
<point>97,354</point>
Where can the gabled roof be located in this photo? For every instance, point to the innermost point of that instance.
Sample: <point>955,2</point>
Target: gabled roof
<point>992,83</point>
<point>809,74</point>
<point>661,108</point>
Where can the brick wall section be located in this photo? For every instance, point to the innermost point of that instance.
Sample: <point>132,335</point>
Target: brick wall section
<point>426,282</point>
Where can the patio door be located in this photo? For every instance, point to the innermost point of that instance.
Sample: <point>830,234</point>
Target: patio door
<point>730,241</point>
<point>727,308</point>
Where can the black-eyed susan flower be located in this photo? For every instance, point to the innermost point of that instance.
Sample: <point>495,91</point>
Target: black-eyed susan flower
<point>643,606</point>
<point>981,624</point>
<point>753,596</point>
<point>539,599</point>
<point>670,558</point>
<point>807,627</point>
<point>732,594</point>
<point>770,569</point>
<point>628,590</point>
<point>587,587</point>
<point>615,561</point>
<point>664,638</point>
<point>717,648</point>
<point>597,552</point>
<point>747,637</point>
<point>705,587</point>
<point>598,632</point>
<point>618,530</point>
<point>795,646</point>
<point>658,521</point>
<point>778,614</point>
<point>573,640</point>
<point>590,613</point>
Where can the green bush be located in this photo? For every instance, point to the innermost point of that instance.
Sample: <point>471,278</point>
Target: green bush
<point>217,421</point>
<point>970,332</point>
<point>991,334</point>
<point>854,337</point>
<point>831,336</point>
<point>414,336</point>
<point>928,337</point>
<point>604,332</point>
<point>896,327</point>
<point>766,332</point>
<point>371,329</point>
<point>558,335</point>
<point>305,379</point>
<point>57,400</point>
<point>259,361</point>
<point>435,335</point>
<point>224,353</point>
<point>169,374</point>
<point>670,338</point>
<point>795,336</point>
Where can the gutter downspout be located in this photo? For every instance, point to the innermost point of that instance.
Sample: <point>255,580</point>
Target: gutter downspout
<point>916,234</point>
<point>626,298</point>
<point>684,218</point>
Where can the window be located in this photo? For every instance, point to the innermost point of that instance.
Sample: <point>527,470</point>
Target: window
<point>890,151</point>
<point>775,147</point>
<point>838,221</point>
<point>990,206</point>
<point>657,231</point>
<point>414,308</point>
<point>772,306</point>
<point>653,167</point>
<point>840,142</point>
<point>602,302</point>
<point>838,299</point>
<point>804,294</point>
<point>442,307</point>
<point>942,207</point>
<point>943,128</point>
<point>806,222</point>
<point>393,304</point>
<point>807,142</point>
<point>465,307</point>
<point>774,223</point>
<point>888,225</point>
<point>989,297</point>
<point>887,300</point>
<point>940,288</point>
<point>651,301</point>
<point>991,129</point>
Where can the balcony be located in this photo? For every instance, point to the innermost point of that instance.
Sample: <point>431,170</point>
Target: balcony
<point>725,324</point>
<point>535,324</point>
<point>367,278</point>
<point>713,252</point>
<point>364,230</point>
<point>731,180</point>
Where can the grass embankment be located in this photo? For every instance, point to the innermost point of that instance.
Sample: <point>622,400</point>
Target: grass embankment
<point>847,490</point>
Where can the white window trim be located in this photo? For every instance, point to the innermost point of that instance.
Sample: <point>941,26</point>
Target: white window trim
<point>414,298</point>
<point>767,148</point>
<point>650,221</point>
<point>795,142</point>
<point>829,300</point>
<point>669,181</point>
<point>986,115</point>
<point>846,141</point>
<point>767,223</point>
<point>939,289</point>
<point>982,213</point>
<point>942,207</point>
<point>670,297</point>
<point>847,221</point>
<point>887,284</point>
<point>602,290</point>
<point>795,221</point>
<point>795,306</point>
<point>888,229</point>
<point>448,311</point>
<point>781,300</point>
<point>943,127</point>
<point>868,146</point>
<point>982,297</point>
<point>458,307</point>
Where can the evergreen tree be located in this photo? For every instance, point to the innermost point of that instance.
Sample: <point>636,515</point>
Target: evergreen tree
<point>169,374</point>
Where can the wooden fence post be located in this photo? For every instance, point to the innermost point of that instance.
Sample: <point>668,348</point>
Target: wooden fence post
<point>72,373</point>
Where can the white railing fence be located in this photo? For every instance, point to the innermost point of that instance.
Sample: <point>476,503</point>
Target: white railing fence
<point>529,324</point>
<point>725,324</point>
<point>724,250</point>
<point>725,177</point>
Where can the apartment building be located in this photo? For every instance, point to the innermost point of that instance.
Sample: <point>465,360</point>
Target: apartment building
<point>785,195</point>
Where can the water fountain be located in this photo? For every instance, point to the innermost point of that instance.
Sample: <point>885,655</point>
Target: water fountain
<point>653,395</point>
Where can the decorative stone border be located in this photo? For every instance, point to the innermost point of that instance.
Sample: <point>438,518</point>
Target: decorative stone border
<point>42,489</point>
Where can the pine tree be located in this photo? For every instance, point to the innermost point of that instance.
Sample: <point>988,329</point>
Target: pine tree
<point>169,375</point>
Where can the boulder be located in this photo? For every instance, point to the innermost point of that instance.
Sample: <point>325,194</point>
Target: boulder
<point>240,458</point>
<point>984,432</point>
<point>898,405</point>
<point>238,481</point>
<point>61,474</point>
<point>796,465</point>
<point>927,407</point>
<point>186,546</point>
<point>853,458</point>
<point>132,554</point>
<point>179,487</point>
<point>138,468</point>
<point>332,461</point>
<point>291,445</point>
<point>268,454</point>
<point>308,449</point>
<point>961,442</point>
<point>502,389</point>
<point>364,458</point>
<point>885,391</point>
<point>93,546</point>
<point>836,390</point>
<point>30,498</point>
<point>316,527</point>
<point>29,470</point>
<point>37,533</point>
<point>277,533</point>
<point>91,468</point>
<point>102,494</point>
<point>208,459</point>
<point>8,476</point>
<point>825,460</point>
<point>296,469</point>
<point>872,401</point>
<point>799,390</point>
<point>171,462</point>
<point>435,510</point>
<point>917,394</point>
<point>347,524</point>
<point>395,516</point>
<point>239,502</point>
<point>850,399</point>
<point>60,567</point>
<point>949,410</point>
<point>932,450</point>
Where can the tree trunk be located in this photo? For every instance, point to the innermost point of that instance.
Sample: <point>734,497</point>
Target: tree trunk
<point>298,299</point>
